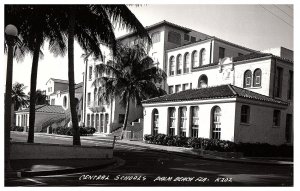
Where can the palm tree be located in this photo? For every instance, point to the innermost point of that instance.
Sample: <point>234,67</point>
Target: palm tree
<point>18,95</point>
<point>36,23</point>
<point>91,25</point>
<point>134,77</point>
<point>40,98</point>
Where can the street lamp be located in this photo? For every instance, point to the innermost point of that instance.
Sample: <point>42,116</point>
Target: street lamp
<point>11,33</point>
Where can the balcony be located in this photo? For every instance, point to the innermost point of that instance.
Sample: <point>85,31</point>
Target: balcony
<point>96,106</point>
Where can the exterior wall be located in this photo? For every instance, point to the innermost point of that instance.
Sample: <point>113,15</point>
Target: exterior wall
<point>230,50</point>
<point>264,65</point>
<point>281,52</point>
<point>205,117</point>
<point>260,129</point>
<point>40,117</point>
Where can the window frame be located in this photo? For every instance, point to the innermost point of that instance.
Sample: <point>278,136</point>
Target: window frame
<point>172,121</point>
<point>245,114</point>
<point>247,76</point>
<point>257,73</point>
<point>194,121</point>
<point>172,66</point>
<point>276,118</point>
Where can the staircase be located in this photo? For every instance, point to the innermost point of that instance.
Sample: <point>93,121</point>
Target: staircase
<point>61,120</point>
<point>134,130</point>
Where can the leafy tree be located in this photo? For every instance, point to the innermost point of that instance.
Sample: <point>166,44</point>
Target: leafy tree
<point>35,23</point>
<point>40,98</point>
<point>18,95</point>
<point>134,77</point>
<point>91,25</point>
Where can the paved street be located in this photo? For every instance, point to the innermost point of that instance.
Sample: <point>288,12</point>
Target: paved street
<point>144,167</point>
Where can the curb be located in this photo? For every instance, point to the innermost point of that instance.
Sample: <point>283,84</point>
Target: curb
<point>207,158</point>
<point>64,171</point>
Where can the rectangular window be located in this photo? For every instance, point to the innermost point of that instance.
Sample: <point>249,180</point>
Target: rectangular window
<point>92,120</point>
<point>193,39</point>
<point>172,121</point>
<point>245,114</point>
<point>52,101</point>
<point>97,122</point>
<point>121,118</point>
<point>177,88</point>
<point>221,52</point>
<point>276,118</point>
<point>185,87</point>
<point>278,81</point>
<point>174,37</point>
<point>195,120</point>
<point>155,37</point>
<point>182,122</point>
<point>289,128</point>
<point>88,123</point>
<point>171,89</point>
<point>101,122</point>
<point>89,99</point>
<point>90,72</point>
<point>186,37</point>
<point>290,85</point>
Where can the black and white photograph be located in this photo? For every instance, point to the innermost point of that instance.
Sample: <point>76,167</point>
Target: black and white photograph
<point>105,94</point>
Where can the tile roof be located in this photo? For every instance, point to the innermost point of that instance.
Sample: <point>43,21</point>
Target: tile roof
<point>60,81</point>
<point>46,109</point>
<point>215,92</point>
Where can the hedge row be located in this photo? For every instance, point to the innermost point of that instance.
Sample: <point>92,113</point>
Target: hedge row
<point>248,149</point>
<point>17,128</point>
<point>69,131</point>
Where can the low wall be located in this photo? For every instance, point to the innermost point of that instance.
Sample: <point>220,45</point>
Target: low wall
<point>54,151</point>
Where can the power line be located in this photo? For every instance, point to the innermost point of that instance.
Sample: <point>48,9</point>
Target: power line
<point>276,16</point>
<point>283,11</point>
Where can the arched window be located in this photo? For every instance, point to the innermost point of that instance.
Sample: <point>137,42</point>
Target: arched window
<point>202,81</point>
<point>257,78</point>
<point>195,61</point>
<point>245,114</point>
<point>216,123</point>
<point>195,120</point>
<point>186,62</point>
<point>172,125</point>
<point>65,101</point>
<point>182,121</point>
<point>202,56</point>
<point>155,118</point>
<point>179,64</point>
<point>172,66</point>
<point>247,79</point>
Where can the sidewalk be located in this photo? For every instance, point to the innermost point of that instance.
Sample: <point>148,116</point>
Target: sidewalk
<point>189,152</point>
<point>27,168</point>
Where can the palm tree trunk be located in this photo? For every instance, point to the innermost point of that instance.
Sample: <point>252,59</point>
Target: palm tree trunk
<point>34,70</point>
<point>126,116</point>
<point>76,135</point>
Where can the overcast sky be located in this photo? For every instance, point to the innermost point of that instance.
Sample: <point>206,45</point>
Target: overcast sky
<point>255,26</point>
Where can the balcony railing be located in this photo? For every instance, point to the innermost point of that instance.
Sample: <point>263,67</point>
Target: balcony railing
<point>96,106</point>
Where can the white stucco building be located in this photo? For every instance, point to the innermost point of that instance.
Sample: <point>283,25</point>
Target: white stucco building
<point>261,83</point>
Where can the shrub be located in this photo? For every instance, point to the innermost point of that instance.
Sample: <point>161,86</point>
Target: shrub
<point>69,131</point>
<point>248,149</point>
<point>17,128</point>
